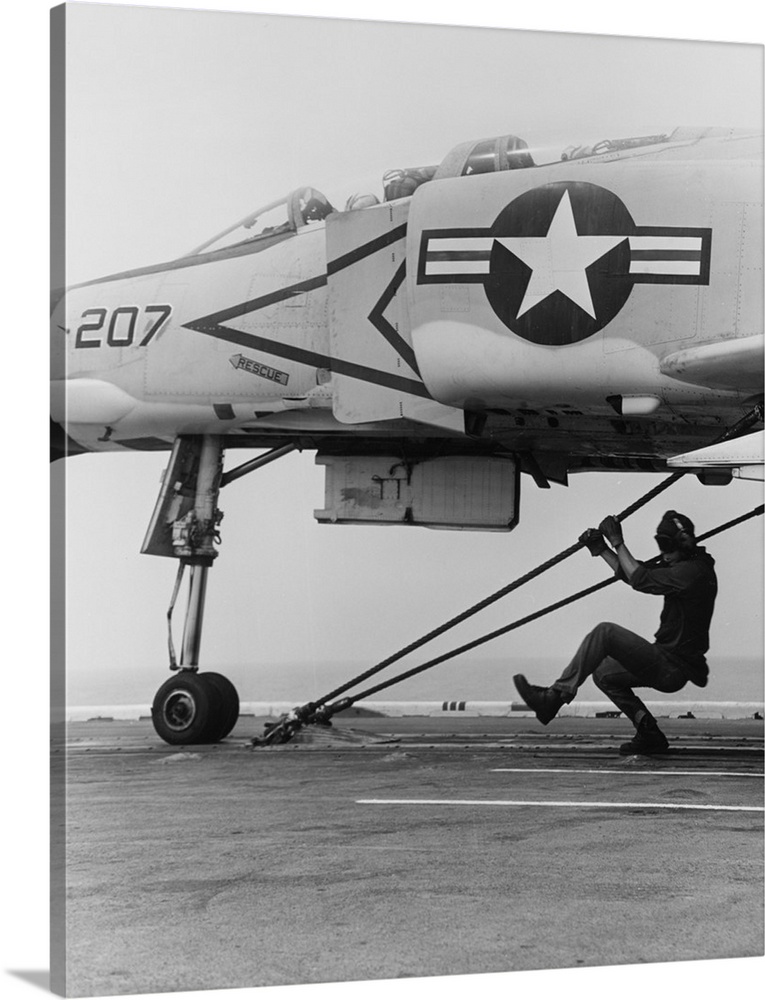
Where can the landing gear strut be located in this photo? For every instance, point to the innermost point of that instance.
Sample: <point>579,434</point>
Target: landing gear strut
<point>193,707</point>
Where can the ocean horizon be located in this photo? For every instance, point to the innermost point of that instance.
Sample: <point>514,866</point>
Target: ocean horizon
<point>735,679</point>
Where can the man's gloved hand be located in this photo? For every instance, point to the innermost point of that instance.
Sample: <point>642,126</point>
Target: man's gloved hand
<point>612,530</point>
<point>594,541</point>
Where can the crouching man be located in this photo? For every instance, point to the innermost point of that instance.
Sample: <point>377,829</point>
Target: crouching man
<point>617,659</point>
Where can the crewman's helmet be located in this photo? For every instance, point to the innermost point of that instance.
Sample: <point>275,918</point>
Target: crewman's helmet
<point>675,533</point>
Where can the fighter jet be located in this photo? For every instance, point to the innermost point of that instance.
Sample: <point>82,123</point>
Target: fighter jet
<point>498,314</point>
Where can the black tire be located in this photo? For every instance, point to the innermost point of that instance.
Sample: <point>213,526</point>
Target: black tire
<point>229,697</point>
<point>187,709</point>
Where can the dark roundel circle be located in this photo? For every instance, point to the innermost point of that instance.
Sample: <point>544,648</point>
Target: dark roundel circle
<point>557,320</point>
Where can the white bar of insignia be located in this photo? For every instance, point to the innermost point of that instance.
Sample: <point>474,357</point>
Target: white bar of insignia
<point>452,244</point>
<point>692,267</point>
<point>692,243</point>
<point>456,267</point>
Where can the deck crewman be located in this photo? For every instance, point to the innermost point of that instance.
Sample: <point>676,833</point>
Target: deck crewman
<point>619,660</point>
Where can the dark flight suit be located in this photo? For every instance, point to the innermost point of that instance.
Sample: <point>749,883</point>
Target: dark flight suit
<point>619,660</point>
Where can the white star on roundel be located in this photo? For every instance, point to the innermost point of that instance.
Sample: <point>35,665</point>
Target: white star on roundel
<point>558,260</point>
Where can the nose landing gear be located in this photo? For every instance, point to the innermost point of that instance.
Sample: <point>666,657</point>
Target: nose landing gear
<point>191,707</point>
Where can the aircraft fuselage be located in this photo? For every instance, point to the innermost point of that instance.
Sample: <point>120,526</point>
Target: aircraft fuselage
<point>568,310</point>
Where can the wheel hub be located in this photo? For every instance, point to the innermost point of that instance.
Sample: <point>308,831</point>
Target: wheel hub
<point>179,710</point>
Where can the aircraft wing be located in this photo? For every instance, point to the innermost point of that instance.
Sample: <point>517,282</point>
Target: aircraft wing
<point>743,456</point>
<point>735,363</point>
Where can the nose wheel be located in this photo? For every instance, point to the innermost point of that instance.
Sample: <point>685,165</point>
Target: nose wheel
<point>229,712</point>
<point>195,708</point>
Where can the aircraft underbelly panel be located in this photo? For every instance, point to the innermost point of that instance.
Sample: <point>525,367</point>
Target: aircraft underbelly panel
<point>569,283</point>
<point>451,492</point>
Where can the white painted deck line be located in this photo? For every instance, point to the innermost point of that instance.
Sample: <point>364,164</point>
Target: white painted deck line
<point>637,772</point>
<point>556,805</point>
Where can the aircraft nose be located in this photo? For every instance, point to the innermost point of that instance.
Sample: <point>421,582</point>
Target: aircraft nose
<point>61,444</point>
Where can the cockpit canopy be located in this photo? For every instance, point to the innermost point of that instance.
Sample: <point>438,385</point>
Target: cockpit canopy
<point>306,206</point>
<point>296,210</point>
<point>504,152</point>
<point>484,156</point>
<point>497,153</point>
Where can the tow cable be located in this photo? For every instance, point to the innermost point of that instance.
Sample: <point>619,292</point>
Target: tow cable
<point>322,710</point>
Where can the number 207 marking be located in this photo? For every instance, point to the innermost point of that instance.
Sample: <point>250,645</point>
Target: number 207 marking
<point>121,326</point>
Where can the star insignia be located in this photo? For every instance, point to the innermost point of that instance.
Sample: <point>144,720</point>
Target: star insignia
<point>559,260</point>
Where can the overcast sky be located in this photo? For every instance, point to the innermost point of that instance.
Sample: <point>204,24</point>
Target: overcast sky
<point>180,122</point>
<point>24,69</point>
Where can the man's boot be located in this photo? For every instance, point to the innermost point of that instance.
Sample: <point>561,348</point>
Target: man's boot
<point>544,701</point>
<point>648,739</point>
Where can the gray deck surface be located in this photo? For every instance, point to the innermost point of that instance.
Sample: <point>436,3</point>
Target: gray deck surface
<point>387,848</point>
